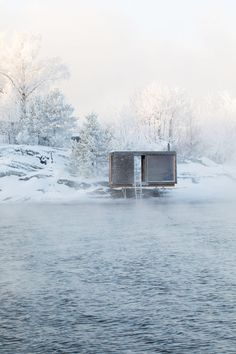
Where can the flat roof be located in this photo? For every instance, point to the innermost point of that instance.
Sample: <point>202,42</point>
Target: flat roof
<point>142,152</point>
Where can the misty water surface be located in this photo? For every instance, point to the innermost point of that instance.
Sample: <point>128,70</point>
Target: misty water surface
<point>126,277</point>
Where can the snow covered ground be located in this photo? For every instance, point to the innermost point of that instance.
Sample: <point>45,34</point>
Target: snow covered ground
<point>205,180</point>
<point>24,178</point>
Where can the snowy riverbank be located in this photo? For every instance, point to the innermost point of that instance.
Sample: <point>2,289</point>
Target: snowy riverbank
<point>24,178</point>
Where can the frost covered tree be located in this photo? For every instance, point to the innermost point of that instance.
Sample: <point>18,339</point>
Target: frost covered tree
<point>24,73</point>
<point>129,134</point>
<point>90,154</point>
<point>164,115</point>
<point>49,120</point>
<point>217,116</point>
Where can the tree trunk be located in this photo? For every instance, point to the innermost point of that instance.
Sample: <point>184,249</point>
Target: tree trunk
<point>23,110</point>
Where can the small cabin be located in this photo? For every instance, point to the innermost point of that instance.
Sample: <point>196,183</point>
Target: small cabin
<point>142,168</point>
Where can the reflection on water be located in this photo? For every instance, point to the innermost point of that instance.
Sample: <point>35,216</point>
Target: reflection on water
<point>126,277</point>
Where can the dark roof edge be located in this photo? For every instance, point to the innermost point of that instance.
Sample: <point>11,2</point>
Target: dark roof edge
<point>142,152</point>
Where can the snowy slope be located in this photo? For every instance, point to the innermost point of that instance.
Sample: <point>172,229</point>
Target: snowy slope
<point>24,178</point>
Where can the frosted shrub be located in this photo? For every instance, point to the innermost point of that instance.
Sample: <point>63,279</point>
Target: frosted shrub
<point>89,156</point>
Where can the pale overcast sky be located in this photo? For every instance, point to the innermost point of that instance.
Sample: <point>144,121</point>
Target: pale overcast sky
<point>115,47</point>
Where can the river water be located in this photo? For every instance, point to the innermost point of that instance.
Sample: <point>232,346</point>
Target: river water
<point>121,277</point>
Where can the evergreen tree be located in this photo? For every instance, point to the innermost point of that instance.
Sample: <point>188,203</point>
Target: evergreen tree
<point>90,154</point>
<point>49,121</point>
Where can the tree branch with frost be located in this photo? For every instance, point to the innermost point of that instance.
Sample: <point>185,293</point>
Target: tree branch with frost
<point>9,78</point>
<point>25,73</point>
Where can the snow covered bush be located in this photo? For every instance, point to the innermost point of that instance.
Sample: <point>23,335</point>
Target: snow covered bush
<point>90,154</point>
